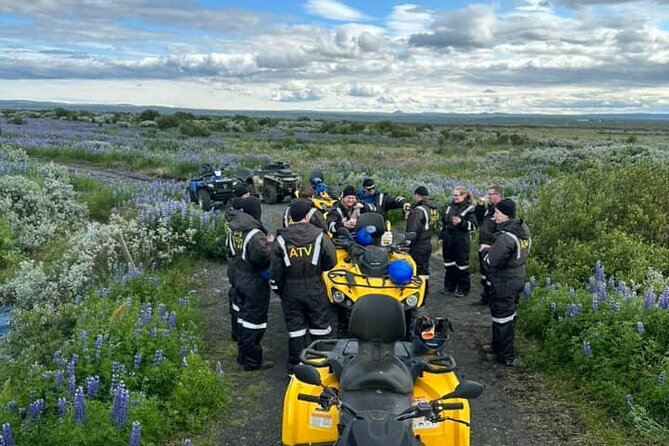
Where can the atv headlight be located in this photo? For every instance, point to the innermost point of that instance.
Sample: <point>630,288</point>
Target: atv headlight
<point>338,296</point>
<point>411,301</point>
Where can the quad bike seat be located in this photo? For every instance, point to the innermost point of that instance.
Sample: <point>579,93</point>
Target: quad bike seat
<point>378,322</point>
<point>371,219</point>
<point>374,261</point>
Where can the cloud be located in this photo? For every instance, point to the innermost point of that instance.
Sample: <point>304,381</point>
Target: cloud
<point>473,26</point>
<point>364,90</point>
<point>333,10</point>
<point>297,94</point>
<point>409,19</point>
<point>584,3</point>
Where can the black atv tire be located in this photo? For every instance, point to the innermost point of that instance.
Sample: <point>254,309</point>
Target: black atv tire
<point>204,199</point>
<point>191,196</point>
<point>280,198</point>
<point>269,194</point>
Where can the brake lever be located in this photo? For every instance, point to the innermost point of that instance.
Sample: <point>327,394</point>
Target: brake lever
<point>457,421</point>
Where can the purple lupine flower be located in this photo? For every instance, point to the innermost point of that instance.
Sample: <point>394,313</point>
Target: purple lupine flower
<point>98,346</point>
<point>612,283</point>
<point>115,380</point>
<point>10,406</point>
<point>172,320</point>
<point>621,287</point>
<point>58,378</point>
<point>661,378</point>
<point>158,357</point>
<point>183,350</point>
<point>183,301</point>
<point>118,368</point>
<point>663,300</point>
<point>184,362</point>
<point>162,310</point>
<point>553,306</point>
<point>650,298</point>
<point>92,386</point>
<point>595,303</point>
<point>548,282</point>
<point>587,350</point>
<point>154,332</point>
<point>135,434</point>
<point>71,383</point>
<point>572,292</point>
<point>79,406</point>
<point>61,407</point>
<point>533,282</point>
<point>630,400</point>
<point>599,272</point>
<point>104,292</point>
<point>137,360</point>
<point>527,290</point>
<point>592,285</point>
<point>7,435</point>
<point>119,414</point>
<point>35,410</point>
<point>640,328</point>
<point>602,292</point>
<point>187,442</point>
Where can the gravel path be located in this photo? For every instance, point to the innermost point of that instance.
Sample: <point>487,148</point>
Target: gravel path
<point>516,408</point>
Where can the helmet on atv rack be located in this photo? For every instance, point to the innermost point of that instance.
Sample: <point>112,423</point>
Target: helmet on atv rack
<point>400,272</point>
<point>428,335</point>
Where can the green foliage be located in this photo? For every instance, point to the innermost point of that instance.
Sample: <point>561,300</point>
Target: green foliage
<point>148,115</point>
<point>111,326</point>
<point>98,198</point>
<point>167,122</point>
<point>618,215</point>
<point>192,129</point>
<point>17,120</point>
<point>8,254</point>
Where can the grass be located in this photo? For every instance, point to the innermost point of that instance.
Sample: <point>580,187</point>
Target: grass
<point>98,197</point>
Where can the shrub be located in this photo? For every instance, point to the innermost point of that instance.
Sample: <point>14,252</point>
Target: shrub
<point>192,129</point>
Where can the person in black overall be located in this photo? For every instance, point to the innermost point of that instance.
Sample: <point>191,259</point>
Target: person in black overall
<point>458,221</point>
<point>485,218</point>
<point>505,261</point>
<point>253,254</point>
<point>421,220</point>
<point>301,254</point>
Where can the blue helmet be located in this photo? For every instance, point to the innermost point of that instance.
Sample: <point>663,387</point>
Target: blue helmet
<point>364,235</point>
<point>400,272</point>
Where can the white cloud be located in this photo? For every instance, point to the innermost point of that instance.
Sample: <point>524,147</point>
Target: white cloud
<point>297,94</point>
<point>409,19</point>
<point>333,10</point>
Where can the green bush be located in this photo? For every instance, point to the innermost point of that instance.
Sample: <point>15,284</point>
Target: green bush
<point>192,129</point>
<point>618,215</point>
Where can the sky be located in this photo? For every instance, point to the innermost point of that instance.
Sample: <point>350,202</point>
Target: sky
<point>515,56</point>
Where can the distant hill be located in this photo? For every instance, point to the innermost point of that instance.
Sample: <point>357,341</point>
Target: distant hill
<point>397,116</point>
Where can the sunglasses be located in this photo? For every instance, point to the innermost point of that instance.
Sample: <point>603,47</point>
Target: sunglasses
<point>370,188</point>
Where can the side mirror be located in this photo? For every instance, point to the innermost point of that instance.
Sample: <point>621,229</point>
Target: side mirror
<point>308,374</point>
<point>466,389</point>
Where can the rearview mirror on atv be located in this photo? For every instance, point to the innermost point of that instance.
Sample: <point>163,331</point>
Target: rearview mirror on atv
<point>308,374</point>
<point>466,389</point>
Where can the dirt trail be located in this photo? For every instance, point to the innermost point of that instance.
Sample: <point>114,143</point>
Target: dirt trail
<point>516,409</point>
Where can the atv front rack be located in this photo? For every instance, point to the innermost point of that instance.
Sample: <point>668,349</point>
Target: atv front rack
<point>348,278</point>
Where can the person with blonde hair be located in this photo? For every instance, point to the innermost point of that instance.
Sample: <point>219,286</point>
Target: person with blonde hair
<point>457,220</point>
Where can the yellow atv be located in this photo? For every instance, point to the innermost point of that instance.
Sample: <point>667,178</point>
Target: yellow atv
<point>375,390</point>
<point>362,270</point>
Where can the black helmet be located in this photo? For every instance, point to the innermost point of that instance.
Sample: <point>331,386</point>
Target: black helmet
<point>429,335</point>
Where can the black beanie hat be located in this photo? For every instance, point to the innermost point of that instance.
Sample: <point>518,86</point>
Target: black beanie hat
<point>240,189</point>
<point>367,182</point>
<point>348,190</point>
<point>252,207</point>
<point>507,207</point>
<point>237,203</point>
<point>422,191</point>
<point>299,209</point>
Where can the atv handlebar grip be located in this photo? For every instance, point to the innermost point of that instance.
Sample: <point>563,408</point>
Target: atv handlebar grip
<point>452,406</point>
<point>310,398</point>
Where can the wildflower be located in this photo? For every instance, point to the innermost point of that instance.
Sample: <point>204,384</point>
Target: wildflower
<point>137,360</point>
<point>219,368</point>
<point>661,378</point>
<point>572,292</point>
<point>592,285</point>
<point>35,409</point>
<point>527,290</point>
<point>79,406</point>
<point>11,405</point>
<point>595,303</point>
<point>612,282</point>
<point>98,346</point>
<point>162,310</point>
<point>553,306</point>
<point>587,351</point>
<point>187,442</point>
<point>158,357</point>
<point>172,320</point>
<point>7,435</point>
<point>663,301</point>
<point>119,413</point>
<point>630,400</point>
<point>105,292</point>
<point>92,385</point>
<point>640,328</point>
<point>650,298</point>
<point>602,292</point>
<point>548,282</point>
<point>115,380</point>
<point>135,434</point>
<point>184,363</point>
<point>58,378</point>
<point>533,282</point>
<point>61,407</point>
<point>599,272</point>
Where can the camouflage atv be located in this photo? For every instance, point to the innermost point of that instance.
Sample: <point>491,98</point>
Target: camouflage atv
<point>274,181</point>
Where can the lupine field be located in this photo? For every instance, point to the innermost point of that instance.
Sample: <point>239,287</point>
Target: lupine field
<point>103,344</point>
